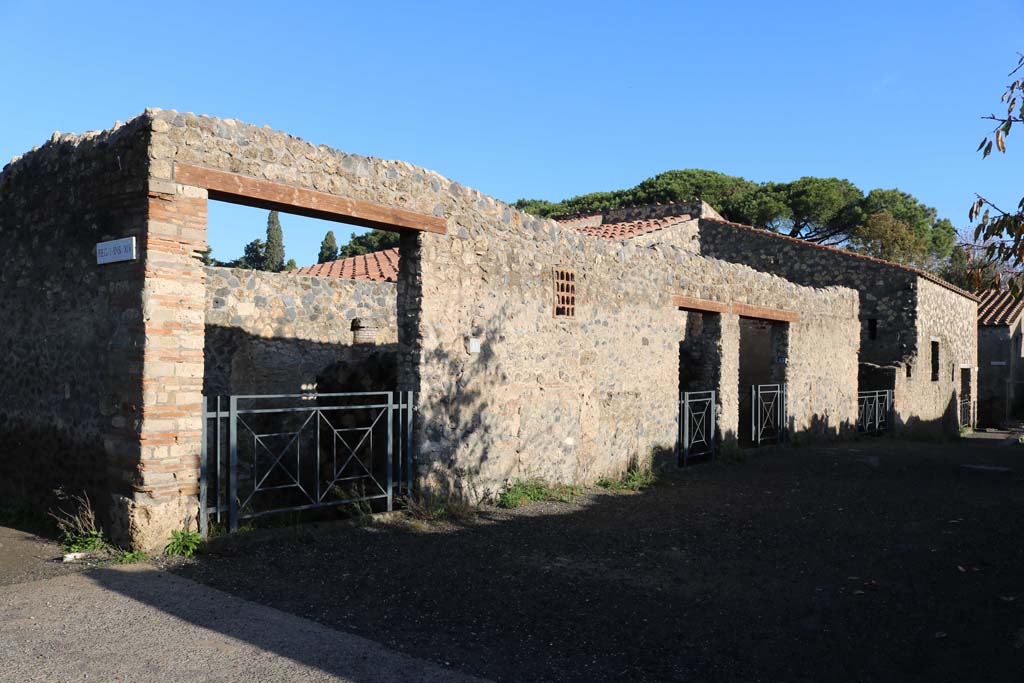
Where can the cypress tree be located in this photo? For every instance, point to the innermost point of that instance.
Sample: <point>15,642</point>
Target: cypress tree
<point>274,258</point>
<point>328,248</point>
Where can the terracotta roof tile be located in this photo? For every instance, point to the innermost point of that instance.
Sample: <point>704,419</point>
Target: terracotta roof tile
<point>999,307</point>
<point>378,266</point>
<point>626,229</point>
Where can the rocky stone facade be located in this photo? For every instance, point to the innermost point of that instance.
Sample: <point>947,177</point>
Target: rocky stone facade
<point>73,338</point>
<point>273,332</point>
<point>901,311</point>
<point>1000,373</point>
<point>574,399</point>
<point>507,384</point>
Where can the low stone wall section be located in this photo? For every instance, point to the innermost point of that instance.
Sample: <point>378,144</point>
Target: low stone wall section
<point>273,332</point>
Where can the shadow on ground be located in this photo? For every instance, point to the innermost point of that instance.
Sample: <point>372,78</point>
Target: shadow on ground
<point>872,560</point>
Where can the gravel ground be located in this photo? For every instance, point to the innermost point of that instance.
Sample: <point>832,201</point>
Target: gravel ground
<point>137,624</point>
<point>876,560</point>
<point>28,553</point>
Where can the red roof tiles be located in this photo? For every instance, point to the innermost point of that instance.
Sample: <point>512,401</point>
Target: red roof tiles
<point>999,307</point>
<point>378,266</point>
<point>626,229</point>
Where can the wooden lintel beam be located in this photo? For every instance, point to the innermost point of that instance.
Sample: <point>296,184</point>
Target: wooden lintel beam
<point>266,194</point>
<point>764,312</point>
<point>747,310</point>
<point>691,303</point>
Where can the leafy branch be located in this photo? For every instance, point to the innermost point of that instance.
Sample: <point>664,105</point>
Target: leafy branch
<point>1002,231</point>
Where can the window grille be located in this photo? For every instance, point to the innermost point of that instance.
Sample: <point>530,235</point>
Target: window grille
<point>565,293</point>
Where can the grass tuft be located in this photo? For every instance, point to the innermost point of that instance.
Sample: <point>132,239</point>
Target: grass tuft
<point>129,557</point>
<point>523,491</point>
<point>637,477</point>
<point>432,509</point>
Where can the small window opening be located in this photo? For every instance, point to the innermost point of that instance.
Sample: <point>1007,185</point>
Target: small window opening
<point>565,293</point>
<point>910,371</point>
<point>935,361</point>
<point>872,328</point>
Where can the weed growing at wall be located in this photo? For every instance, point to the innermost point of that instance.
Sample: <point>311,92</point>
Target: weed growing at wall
<point>77,526</point>
<point>184,543</point>
<point>523,491</point>
<point>432,510</point>
<point>637,477</point>
<point>129,557</point>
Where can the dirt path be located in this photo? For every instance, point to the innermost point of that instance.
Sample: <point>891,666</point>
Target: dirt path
<point>141,624</point>
<point>25,556</point>
<point>877,560</point>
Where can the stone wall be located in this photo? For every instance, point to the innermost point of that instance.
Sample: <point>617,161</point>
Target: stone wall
<point>908,310</point>
<point>573,400</point>
<point>1000,373</point>
<point>70,384</point>
<point>272,332</point>
<point>886,293</point>
<point>951,319</point>
<point>564,399</point>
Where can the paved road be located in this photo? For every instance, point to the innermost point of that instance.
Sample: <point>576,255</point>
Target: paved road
<point>141,624</point>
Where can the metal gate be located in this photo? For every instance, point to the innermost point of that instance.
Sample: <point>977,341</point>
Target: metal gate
<point>873,410</point>
<point>768,413</point>
<point>966,413</point>
<point>696,425</point>
<point>292,452</point>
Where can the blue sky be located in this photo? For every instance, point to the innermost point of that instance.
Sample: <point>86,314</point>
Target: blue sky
<point>547,99</point>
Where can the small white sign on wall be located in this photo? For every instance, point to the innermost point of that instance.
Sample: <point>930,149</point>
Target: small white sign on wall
<point>115,250</point>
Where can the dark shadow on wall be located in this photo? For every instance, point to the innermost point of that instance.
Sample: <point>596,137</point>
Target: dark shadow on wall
<point>238,362</point>
<point>821,429</point>
<point>38,462</point>
<point>945,427</point>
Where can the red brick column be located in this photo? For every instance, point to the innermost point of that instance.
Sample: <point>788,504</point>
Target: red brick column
<point>173,297</point>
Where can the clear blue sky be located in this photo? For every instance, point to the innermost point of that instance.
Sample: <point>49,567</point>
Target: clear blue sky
<point>547,99</point>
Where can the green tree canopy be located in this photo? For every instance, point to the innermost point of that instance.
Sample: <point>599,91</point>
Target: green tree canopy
<point>253,257</point>
<point>825,210</point>
<point>328,248</point>
<point>830,211</point>
<point>274,255</point>
<point>374,240</point>
<point>884,236</point>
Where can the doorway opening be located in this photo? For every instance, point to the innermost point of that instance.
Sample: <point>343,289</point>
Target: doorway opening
<point>762,380</point>
<point>699,369</point>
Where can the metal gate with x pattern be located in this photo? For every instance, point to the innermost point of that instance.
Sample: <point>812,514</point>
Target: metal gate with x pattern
<point>265,454</point>
<point>768,413</point>
<point>696,425</point>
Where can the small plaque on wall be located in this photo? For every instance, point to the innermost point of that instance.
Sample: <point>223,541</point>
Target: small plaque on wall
<point>113,251</point>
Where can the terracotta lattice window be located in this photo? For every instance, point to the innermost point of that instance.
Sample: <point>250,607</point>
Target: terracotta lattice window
<point>565,293</point>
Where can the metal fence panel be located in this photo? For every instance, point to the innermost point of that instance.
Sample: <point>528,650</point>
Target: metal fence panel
<point>768,413</point>
<point>276,453</point>
<point>874,410</point>
<point>697,425</point>
<point>966,413</point>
